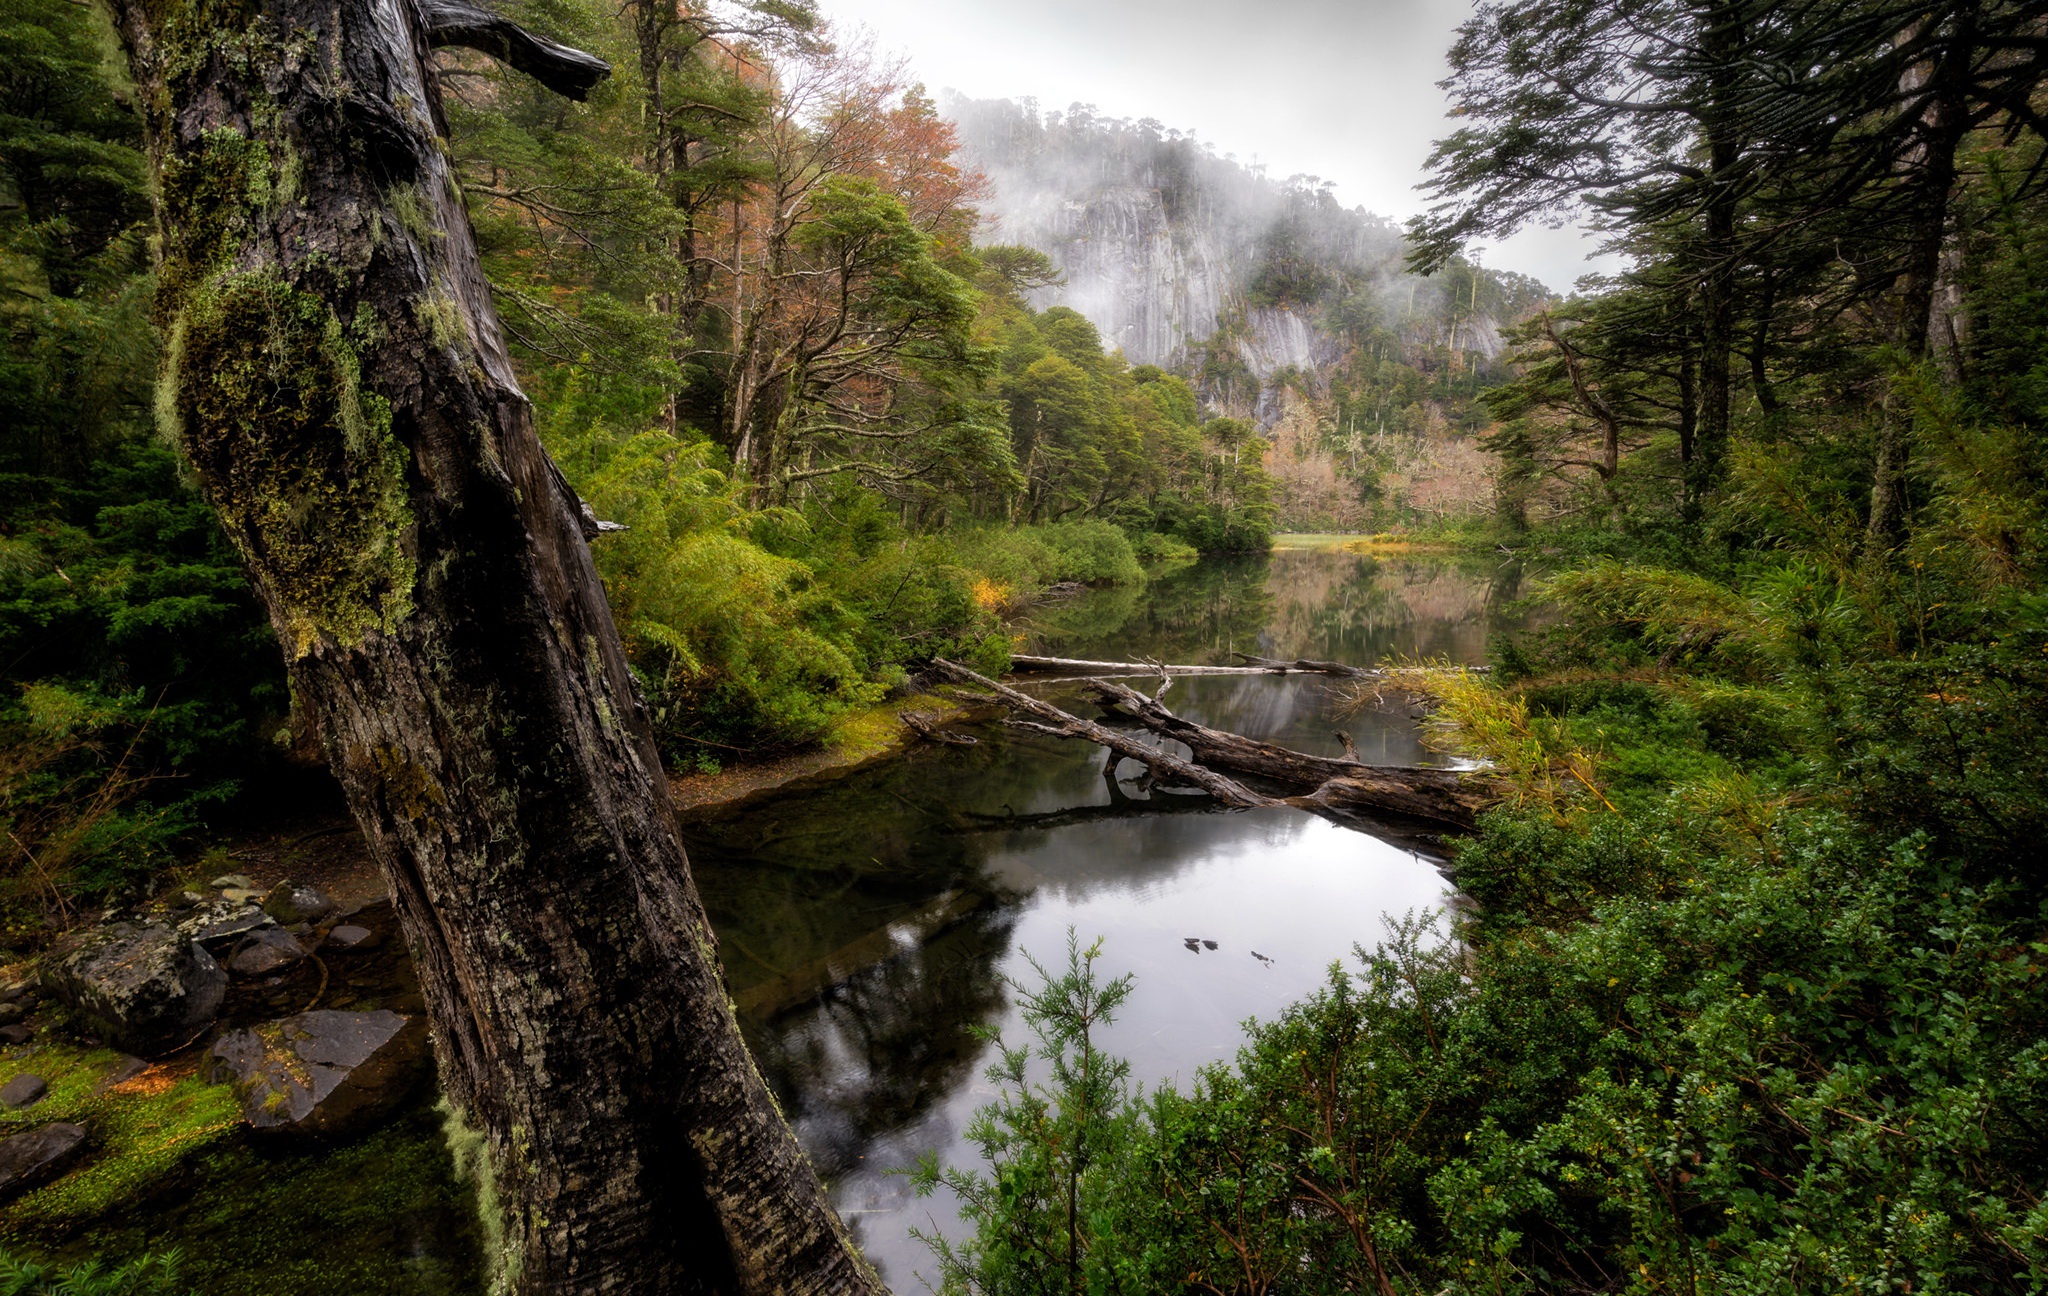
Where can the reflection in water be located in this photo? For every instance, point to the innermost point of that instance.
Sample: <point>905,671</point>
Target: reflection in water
<point>868,927</point>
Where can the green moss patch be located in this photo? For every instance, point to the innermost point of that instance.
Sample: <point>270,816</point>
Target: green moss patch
<point>142,1131</point>
<point>301,461</point>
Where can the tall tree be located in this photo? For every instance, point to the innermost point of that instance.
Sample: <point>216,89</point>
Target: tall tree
<point>335,375</point>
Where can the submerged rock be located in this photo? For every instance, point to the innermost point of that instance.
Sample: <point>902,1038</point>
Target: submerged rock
<point>348,936</point>
<point>296,902</point>
<point>39,1155</point>
<point>264,952</point>
<point>145,986</point>
<point>321,1072</point>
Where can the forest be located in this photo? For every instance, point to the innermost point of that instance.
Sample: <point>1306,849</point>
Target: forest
<point>339,428</point>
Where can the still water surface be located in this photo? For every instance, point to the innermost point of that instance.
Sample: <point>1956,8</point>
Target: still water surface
<point>868,925</point>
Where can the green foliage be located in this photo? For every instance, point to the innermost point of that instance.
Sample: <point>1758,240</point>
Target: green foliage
<point>139,677</point>
<point>153,1274</point>
<point>1056,1146</point>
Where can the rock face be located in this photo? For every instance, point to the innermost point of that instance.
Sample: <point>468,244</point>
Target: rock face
<point>39,1155</point>
<point>144,985</point>
<point>1168,248</point>
<point>321,1073</point>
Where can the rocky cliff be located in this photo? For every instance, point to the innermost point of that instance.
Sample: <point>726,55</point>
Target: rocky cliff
<point>1191,261</point>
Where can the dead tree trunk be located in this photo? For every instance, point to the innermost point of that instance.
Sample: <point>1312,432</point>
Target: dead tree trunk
<point>1345,788</point>
<point>336,376</point>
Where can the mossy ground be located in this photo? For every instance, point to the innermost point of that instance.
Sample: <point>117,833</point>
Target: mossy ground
<point>859,737</point>
<point>142,1130</point>
<point>171,1166</point>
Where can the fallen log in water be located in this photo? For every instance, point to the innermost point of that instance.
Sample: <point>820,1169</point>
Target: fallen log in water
<point>1345,788</point>
<point>1027,664</point>
<point>1048,718</point>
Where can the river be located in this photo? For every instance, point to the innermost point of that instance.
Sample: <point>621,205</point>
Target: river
<point>871,927</point>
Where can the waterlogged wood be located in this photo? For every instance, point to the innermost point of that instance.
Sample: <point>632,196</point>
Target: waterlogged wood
<point>1025,663</point>
<point>1343,788</point>
<point>1449,797</point>
<point>1051,720</point>
<point>336,377</point>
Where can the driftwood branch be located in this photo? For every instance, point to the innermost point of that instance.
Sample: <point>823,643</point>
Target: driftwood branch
<point>1444,796</point>
<point>1027,664</point>
<point>567,72</point>
<point>1346,789</point>
<point>924,726</point>
<point>1050,719</point>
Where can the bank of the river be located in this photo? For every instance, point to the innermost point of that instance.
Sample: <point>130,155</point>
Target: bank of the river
<point>873,898</point>
<point>858,740</point>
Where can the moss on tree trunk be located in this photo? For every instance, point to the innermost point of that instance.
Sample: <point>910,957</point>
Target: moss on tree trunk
<point>336,376</point>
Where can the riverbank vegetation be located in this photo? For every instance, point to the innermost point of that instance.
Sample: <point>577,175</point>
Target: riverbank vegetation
<point>744,293</point>
<point>1753,995</point>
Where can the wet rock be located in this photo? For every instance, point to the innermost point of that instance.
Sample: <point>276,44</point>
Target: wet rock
<point>296,902</point>
<point>321,1073</point>
<point>236,881</point>
<point>144,986</point>
<point>219,919</point>
<point>266,952</point>
<point>16,1034</point>
<point>24,1090</point>
<point>39,1155</point>
<point>348,936</point>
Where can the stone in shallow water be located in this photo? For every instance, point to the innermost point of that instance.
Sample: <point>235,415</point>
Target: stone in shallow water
<point>145,986</point>
<point>296,902</point>
<point>23,1091</point>
<point>321,1072</point>
<point>348,936</point>
<point>265,952</point>
<point>41,1154</point>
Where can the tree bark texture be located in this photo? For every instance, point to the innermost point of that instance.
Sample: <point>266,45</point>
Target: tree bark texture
<point>335,374</point>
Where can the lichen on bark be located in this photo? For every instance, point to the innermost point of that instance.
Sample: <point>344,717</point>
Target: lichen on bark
<point>299,458</point>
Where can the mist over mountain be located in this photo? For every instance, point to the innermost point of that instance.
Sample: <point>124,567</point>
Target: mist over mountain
<point>1199,263</point>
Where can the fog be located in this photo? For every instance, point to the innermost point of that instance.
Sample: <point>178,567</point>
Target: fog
<point>1341,89</point>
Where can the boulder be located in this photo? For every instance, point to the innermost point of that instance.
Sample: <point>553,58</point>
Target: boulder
<point>323,1072</point>
<point>16,1034</point>
<point>11,1013</point>
<point>296,902</point>
<point>265,952</point>
<point>144,986</point>
<point>39,1155</point>
<point>24,1090</point>
<point>238,881</point>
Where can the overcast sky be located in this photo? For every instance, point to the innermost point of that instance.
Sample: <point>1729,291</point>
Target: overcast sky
<point>1343,89</point>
